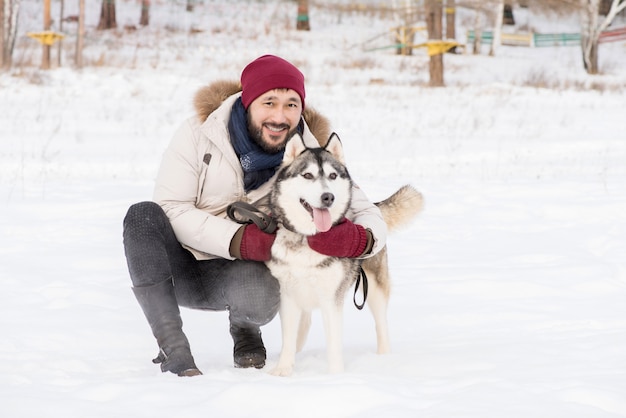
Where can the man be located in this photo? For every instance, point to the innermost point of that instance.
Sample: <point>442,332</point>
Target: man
<point>182,250</point>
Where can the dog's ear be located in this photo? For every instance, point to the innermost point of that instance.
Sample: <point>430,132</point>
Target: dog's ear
<point>295,146</point>
<point>335,148</point>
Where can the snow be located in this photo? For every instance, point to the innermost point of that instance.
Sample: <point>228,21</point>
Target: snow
<point>509,290</point>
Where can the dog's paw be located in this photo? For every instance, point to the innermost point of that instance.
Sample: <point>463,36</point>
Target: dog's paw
<point>282,371</point>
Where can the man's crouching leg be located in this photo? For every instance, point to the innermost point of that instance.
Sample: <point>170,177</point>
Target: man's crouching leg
<point>159,305</point>
<point>253,296</point>
<point>149,243</point>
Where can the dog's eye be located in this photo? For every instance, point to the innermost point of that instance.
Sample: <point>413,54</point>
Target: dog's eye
<point>308,176</point>
<point>332,176</point>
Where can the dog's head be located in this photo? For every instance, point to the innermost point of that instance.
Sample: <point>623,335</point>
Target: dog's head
<point>313,189</point>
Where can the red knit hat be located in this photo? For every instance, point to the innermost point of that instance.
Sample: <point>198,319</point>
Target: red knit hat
<point>267,73</point>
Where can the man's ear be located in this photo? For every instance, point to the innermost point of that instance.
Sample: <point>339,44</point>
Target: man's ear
<point>295,146</point>
<point>335,147</point>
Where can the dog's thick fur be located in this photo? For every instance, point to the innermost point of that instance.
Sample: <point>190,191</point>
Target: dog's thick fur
<point>312,280</point>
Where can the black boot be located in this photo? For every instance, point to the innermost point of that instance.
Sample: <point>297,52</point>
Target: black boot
<point>158,303</point>
<point>249,350</point>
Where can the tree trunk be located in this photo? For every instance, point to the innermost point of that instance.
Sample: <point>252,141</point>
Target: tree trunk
<point>11,13</point>
<point>589,37</point>
<point>303,15</point>
<point>81,34</point>
<point>434,14</point>
<point>144,20</point>
<point>478,33</point>
<point>2,26</point>
<point>451,22</point>
<point>60,41</point>
<point>591,29</point>
<point>107,15</point>
<point>45,59</point>
<point>497,28</point>
<point>593,59</point>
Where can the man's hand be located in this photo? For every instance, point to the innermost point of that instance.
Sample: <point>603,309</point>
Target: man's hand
<point>345,239</point>
<point>250,243</point>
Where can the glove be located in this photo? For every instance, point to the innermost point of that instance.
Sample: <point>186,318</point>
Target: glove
<point>345,239</point>
<point>250,243</point>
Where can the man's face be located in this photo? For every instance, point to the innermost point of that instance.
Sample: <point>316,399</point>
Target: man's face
<point>272,118</point>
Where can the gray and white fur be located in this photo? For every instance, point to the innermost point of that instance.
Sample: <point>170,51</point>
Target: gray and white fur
<point>313,190</point>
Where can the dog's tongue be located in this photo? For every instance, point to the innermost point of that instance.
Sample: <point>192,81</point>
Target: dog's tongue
<point>321,219</point>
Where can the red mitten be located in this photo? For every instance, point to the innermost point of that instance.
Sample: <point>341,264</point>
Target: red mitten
<point>256,245</point>
<point>345,239</point>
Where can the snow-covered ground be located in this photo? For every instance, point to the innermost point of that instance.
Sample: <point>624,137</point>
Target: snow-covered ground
<point>509,291</point>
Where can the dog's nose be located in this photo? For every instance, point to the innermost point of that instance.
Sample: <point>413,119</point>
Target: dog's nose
<point>328,199</point>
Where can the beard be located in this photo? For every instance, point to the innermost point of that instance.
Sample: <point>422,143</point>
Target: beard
<point>256,134</point>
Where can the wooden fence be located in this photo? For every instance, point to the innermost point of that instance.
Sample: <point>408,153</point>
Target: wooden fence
<point>546,39</point>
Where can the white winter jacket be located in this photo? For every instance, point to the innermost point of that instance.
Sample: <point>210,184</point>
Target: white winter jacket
<point>200,175</point>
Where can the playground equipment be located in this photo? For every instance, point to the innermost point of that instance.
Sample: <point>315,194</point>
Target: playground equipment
<point>47,38</point>
<point>436,47</point>
<point>546,39</point>
<point>404,36</point>
<point>613,35</point>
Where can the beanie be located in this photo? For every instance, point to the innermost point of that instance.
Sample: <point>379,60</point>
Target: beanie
<point>267,73</point>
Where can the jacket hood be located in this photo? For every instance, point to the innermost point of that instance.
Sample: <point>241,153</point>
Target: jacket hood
<point>210,97</point>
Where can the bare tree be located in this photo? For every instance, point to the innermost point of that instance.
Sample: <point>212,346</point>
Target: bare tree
<point>60,44</point>
<point>405,17</point>
<point>478,31</point>
<point>592,27</point>
<point>497,28</point>
<point>1,34</point>
<point>45,60</point>
<point>451,21</point>
<point>107,15</point>
<point>8,25</point>
<point>434,15</point>
<point>144,20</point>
<point>487,13</point>
<point>81,34</point>
<point>591,23</point>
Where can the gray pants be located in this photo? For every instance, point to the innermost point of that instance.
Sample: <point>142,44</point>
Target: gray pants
<point>245,288</point>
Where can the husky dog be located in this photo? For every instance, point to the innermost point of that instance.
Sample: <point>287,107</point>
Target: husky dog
<point>313,192</point>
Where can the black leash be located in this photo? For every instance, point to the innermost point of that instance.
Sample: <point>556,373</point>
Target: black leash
<point>245,213</point>
<point>362,276</point>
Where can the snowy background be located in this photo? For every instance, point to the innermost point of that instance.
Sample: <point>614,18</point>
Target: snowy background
<point>509,290</point>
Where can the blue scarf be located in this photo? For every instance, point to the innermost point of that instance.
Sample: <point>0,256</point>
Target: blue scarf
<point>258,166</point>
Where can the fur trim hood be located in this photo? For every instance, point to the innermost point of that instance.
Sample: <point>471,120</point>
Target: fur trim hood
<point>210,97</point>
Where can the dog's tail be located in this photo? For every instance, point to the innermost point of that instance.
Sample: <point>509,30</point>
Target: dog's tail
<point>401,207</point>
